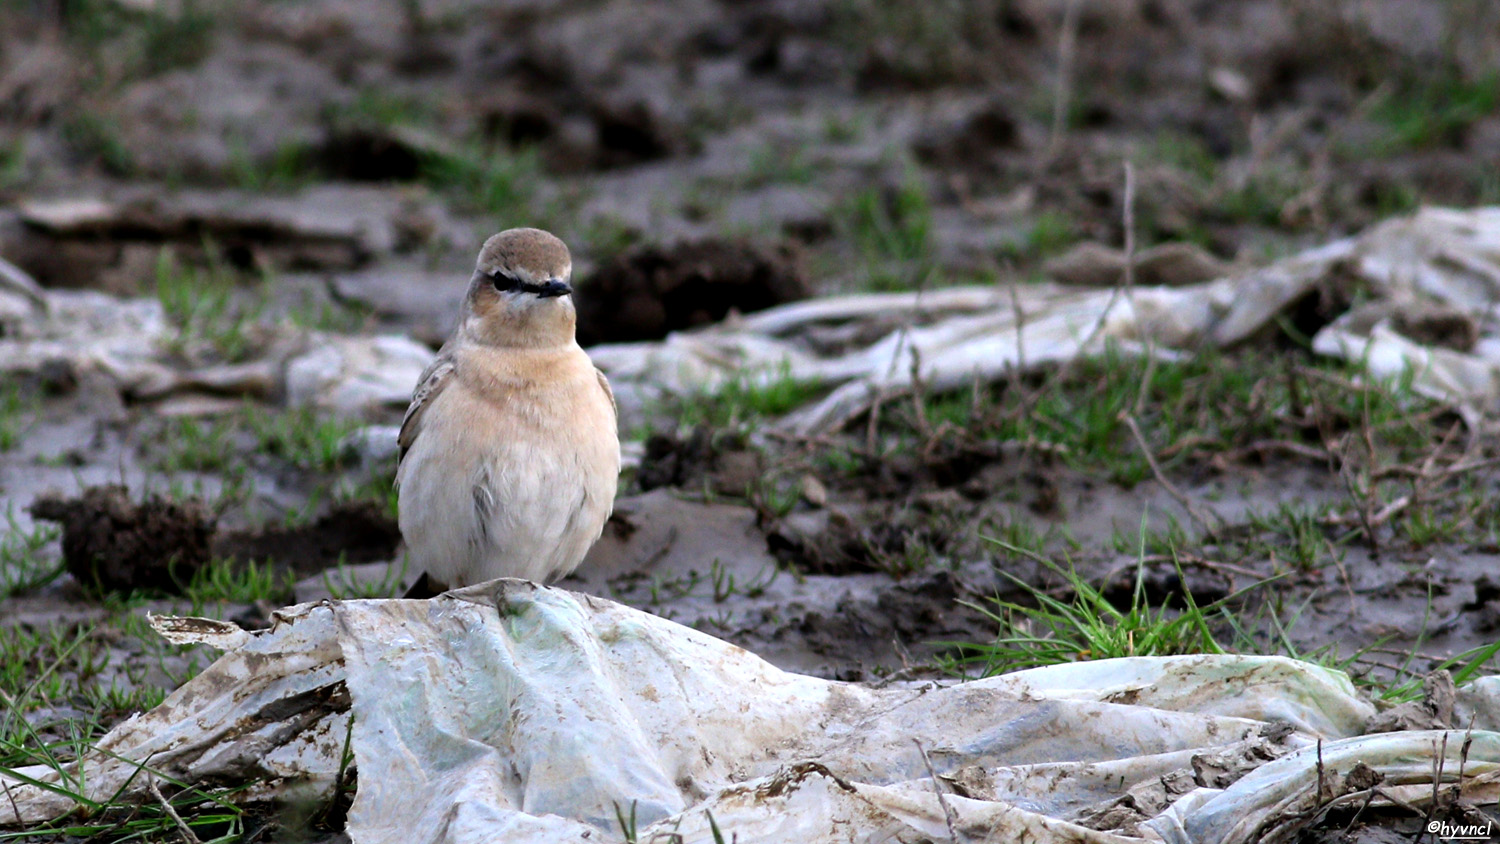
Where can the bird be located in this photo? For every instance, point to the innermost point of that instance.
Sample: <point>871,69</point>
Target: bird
<point>509,453</point>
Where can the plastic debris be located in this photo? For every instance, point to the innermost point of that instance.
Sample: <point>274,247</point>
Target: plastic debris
<point>352,375</point>
<point>1428,281</point>
<point>509,711</point>
<point>866,345</point>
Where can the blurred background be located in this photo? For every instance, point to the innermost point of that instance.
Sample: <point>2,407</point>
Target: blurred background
<point>254,221</point>
<point>839,145</point>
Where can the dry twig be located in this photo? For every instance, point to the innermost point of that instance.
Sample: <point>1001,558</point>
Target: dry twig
<point>187,832</point>
<point>1210,528</point>
<point>937,787</point>
<point>1067,47</point>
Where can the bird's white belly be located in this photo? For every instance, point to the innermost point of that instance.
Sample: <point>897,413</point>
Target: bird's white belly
<point>538,515</point>
<point>502,508</point>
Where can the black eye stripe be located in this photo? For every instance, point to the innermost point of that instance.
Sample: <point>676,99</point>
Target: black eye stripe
<point>503,282</point>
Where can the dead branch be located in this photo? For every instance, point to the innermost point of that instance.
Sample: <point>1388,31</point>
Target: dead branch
<point>1209,527</point>
<point>948,817</point>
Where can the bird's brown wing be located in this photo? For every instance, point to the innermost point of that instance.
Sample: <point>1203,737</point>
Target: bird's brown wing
<point>434,378</point>
<point>604,385</point>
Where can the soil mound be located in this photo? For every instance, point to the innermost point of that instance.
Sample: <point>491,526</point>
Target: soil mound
<point>351,532</point>
<point>647,292</point>
<point>110,543</point>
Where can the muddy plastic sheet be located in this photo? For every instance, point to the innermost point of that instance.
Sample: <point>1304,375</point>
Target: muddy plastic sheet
<point>1428,286</point>
<point>514,712</point>
<point>1441,262</point>
<point>94,331</point>
<point>130,342</point>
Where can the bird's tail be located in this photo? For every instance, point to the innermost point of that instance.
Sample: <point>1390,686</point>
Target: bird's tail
<point>425,587</point>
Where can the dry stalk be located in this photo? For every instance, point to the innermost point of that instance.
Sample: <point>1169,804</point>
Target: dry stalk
<point>1193,560</point>
<point>187,832</point>
<point>919,396</point>
<point>1127,277</point>
<point>1437,777</point>
<point>872,424</point>
<point>1463,758</point>
<point>1067,48</point>
<point>1443,473</point>
<point>1343,570</point>
<point>1369,798</point>
<point>1020,317</point>
<point>948,817</point>
<point>1390,510</point>
<point>1321,775</point>
<point>1397,800</point>
<point>1259,447</point>
<point>1126,285</point>
<point>14,809</point>
<point>1372,457</point>
<point>1027,396</point>
<point>1364,506</point>
<point>1210,528</point>
<point>1129,282</point>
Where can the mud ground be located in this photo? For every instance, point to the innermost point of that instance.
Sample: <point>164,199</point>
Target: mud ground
<point>337,164</point>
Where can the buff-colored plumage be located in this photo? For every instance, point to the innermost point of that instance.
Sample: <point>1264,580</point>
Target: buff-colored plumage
<point>509,450</point>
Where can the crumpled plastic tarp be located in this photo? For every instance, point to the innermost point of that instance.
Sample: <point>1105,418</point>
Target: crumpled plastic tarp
<point>1439,260</point>
<point>513,712</point>
<point>1443,263</point>
<point>130,342</point>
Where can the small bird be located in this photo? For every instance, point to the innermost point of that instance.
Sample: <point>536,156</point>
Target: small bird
<point>509,451</point>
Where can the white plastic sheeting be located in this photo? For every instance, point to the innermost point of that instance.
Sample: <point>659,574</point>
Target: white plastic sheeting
<point>1439,259</point>
<point>1439,262</point>
<point>513,712</point>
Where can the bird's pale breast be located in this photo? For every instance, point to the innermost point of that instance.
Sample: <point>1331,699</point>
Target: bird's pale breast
<point>514,473</point>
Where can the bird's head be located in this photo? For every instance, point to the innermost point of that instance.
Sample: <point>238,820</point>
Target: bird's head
<point>521,293</point>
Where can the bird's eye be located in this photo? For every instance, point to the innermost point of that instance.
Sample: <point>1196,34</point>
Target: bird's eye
<point>503,282</point>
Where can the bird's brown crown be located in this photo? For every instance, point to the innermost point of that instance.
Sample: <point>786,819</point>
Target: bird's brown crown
<point>532,254</point>
<point>520,295</point>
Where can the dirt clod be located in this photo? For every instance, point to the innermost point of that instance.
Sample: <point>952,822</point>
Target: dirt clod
<point>631,134</point>
<point>927,609</point>
<point>113,544</point>
<point>649,291</point>
<point>897,540</point>
<point>351,532</point>
<point>1437,325</point>
<point>676,461</point>
<point>1362,777</point>
<point>366,154</point>
<point>972,141</point>
<point>947,462</point>
<point>1433,712</point>
<point>1170,265</point>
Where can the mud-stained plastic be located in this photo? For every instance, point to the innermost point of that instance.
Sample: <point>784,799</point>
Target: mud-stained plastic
<point>1425,285</point>
<point>1428,284</point>
<point>513,712</point>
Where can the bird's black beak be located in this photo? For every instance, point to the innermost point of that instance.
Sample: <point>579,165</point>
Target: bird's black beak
<point>554,287</point>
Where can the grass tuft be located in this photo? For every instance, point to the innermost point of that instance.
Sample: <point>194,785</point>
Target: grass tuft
<point>301,436</point>
<point>497,181</point>
<point>23,568</point>
<point>13,406</point>
<point>1434,111</point>
<point>205,304</point>
<point>94,138</point>
<point>744,398</point>
<point>892,234</point>
<point>1085,626</point>
<point>223,581</point>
